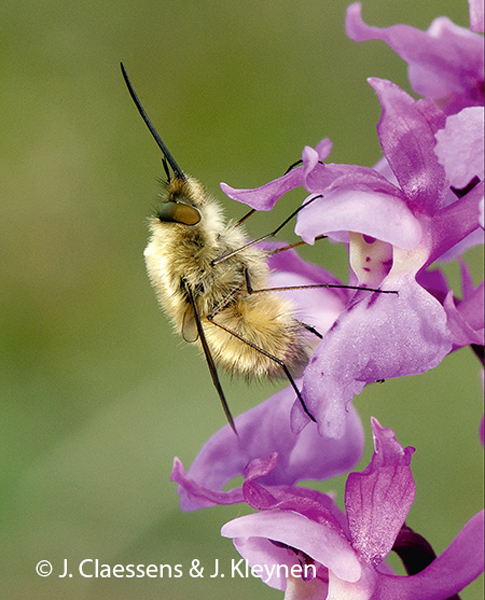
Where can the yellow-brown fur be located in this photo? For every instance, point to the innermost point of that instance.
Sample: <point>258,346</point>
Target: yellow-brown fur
<point>179,256</point>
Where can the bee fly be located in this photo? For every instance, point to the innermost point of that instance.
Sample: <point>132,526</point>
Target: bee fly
<point>206,274</point>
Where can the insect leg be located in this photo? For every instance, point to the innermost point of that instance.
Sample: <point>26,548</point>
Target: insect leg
<point>312,286</point>
<point>311,329</point>
<point>295,245</point>
<point>210,362</point>
<point>224,257</point>
<point>296,164</point>
<point>270,356</point>
<point>246,216</point>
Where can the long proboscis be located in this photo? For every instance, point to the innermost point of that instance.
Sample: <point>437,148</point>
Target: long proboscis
<point>170,159</point>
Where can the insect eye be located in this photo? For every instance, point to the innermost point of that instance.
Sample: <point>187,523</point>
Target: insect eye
<point>176,212</point>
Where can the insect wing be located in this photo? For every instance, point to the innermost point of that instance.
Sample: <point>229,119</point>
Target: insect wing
<point>189,326</point>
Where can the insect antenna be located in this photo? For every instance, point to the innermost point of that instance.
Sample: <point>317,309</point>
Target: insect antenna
<point>167,156</point>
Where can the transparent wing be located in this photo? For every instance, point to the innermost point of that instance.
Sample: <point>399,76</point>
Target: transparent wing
<point>189,326</point>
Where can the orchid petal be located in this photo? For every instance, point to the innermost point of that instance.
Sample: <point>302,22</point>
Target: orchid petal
<point>299,589</point>
<point>363,210</point>
<point>460,147</point>
<point>448,574</point>
<point>465,321</point>
<point>261,431</point>
<point>446,62</point>
<point>363,589</point>
<point>381,336</point>
<point>378,499</point>
<point>454,223</point>
<point>406,132</point>
<point>318,307</point>
<point>476,15</point>
<point>266,196</point>
<point>324,545</point>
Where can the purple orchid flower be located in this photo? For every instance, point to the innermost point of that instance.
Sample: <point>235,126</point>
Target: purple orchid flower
<point>395,231</point>
<point>445,62</point>
<point>381,336</point>
<point>302,543</point>
<point>262,431</point>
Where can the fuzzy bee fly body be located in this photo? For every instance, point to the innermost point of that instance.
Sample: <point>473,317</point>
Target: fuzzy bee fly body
<point>179,258</point>
<point>204,270</point>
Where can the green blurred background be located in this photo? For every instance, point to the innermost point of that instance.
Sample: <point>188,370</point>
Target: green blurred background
<point>97,394</point>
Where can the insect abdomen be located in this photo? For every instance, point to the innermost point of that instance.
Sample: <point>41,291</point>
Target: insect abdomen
<point>267,324</point>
